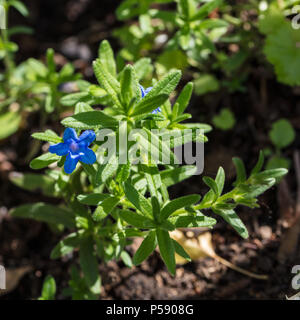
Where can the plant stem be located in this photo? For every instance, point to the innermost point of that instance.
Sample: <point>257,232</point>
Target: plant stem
<point>8,61</point>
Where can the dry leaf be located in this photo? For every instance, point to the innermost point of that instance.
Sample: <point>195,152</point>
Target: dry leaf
<point>13,277</point>
<point>201,247</point>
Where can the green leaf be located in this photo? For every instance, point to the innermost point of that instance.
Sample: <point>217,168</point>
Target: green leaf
<point>240,171</point>
<point>179,250</point>
<point>10,47</point>
<point>199,221</point>
<point>38,67</point>
<point>9,124</point>
<point>184,98</point>
<point>152,176</point>
<point>203,126</point>
<point>18,30</point>
<point>166,85</point>
<point>267,174</point>
<point>71,99</point>
<point>89,120</point>
<point>67,72</point>
<point>129,85</point>
<point>123,172</point>
<point>49,103</point>
<point>82,107</point>
<point>90,171</point>
<point>135,219</point>
<point>212,23</point>
<point>18,5</point>
<point>126,259</point>
<point>93,199</point>
<point>281,47</point>
<point>106,56</point>
<point>167,250</point>
<point>108,82</point>
<point>209,198</point>
<point>282,133</point>
<point>220,180</point>
<point>178,203</point>
<point>45,213</point>
<point>233,219</point>
<point>89,265</point>
<point>138,200</point>
<point>50,60</point>
<point>49,289</point>
<point>250,192</point>
<point>155,207</point>
<point>43,161</point>
<point>259,163</point>
<point>107,170</point>
<point>212,184</point>
<point>142,67</point>
<point>225,120</point>
<point>187,8</point>
<point>146,106</point>
<point>146,248</point>
<point>172,176</point>
<point>48,135</point>
<point>66,245</point>
<point>105,208</point>
<point>97,91</point>
<point>34,182</point>
<point>206,83</point>
<point>205,9</point>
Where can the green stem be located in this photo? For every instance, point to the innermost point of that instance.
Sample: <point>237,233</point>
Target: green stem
<point>8,60</point>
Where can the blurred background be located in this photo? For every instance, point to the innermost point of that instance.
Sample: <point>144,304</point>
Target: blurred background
<point>243,98</point>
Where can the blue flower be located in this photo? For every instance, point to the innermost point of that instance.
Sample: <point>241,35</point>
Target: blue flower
<point>144,93</point>
<point>76,149</point>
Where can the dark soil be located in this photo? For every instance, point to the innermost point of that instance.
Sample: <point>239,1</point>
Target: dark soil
<point>74,29</point>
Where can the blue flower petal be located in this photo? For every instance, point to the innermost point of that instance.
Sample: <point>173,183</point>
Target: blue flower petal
<point>88,156</point>
<point>156,111</point>
<point>88,137</point>
<point>148,90</point>
<point>71,162</point>
<point>61,149</point>
<point>70,133</point>
<point>142,91</point>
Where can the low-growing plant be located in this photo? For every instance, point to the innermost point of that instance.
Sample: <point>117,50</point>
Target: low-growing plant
<point>184,38</point>
<point>30,85</point>
<point>282,40</point>
<point>225,120</point>
<point>106,204</point>
<point>282,134</point>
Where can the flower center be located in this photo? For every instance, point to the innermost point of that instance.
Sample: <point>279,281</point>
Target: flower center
<point>74,146</point>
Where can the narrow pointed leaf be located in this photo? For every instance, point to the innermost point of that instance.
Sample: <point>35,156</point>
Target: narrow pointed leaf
<point>108,82</point>
<point>179,250</point>
<point>48,135</point>
<point>106,55</point>
<point>45,213</point>
<point>138,200</point>
<point>146,248</point>
<point>89,265</point>
<point>167,250</point>
<point>178,203</point>
<point>89,120</point>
